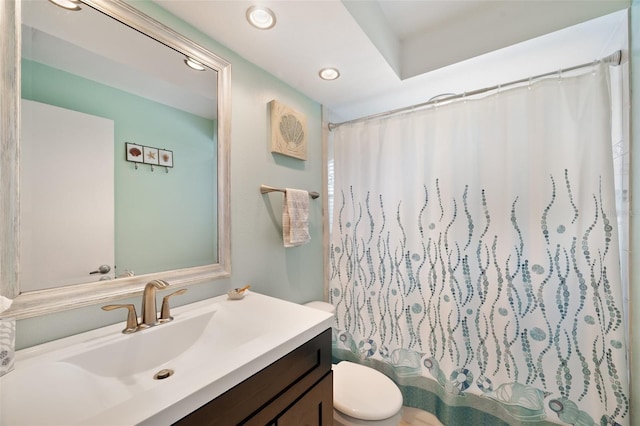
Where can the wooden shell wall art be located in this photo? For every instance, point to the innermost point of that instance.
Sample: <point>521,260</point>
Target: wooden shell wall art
<point>288,131</point>
<point>149,155</point>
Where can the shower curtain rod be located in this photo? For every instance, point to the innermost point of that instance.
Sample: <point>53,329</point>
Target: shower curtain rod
<point>613,59</point>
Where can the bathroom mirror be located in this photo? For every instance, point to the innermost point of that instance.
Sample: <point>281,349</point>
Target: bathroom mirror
<point>101,104</point>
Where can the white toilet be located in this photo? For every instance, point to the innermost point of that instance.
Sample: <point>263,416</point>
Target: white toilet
<point>361,395</point>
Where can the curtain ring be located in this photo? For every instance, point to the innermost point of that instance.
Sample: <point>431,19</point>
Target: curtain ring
<point>530,83</point>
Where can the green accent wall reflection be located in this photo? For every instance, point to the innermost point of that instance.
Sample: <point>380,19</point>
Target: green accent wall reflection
<point>163,221</point>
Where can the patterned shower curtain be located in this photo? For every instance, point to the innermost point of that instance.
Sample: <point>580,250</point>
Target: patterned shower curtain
<point>474,255</point>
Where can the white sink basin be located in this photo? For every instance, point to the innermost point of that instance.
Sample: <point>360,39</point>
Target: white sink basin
<point>106,377</point>
<point>146,350</point>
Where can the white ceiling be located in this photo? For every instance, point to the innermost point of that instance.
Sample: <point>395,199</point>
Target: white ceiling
<point>392,53</point>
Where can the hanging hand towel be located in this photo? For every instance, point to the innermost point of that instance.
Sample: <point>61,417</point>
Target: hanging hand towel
<point>295,218</point>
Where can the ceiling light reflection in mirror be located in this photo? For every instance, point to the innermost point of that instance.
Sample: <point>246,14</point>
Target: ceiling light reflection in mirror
<point>67,4</point>
<point>193,64</point>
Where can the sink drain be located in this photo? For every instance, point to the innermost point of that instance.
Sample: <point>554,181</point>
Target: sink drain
<point>163,374</point>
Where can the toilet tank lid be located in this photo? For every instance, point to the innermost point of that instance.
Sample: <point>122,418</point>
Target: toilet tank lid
<point>364,393</point>
<point>323,306</point>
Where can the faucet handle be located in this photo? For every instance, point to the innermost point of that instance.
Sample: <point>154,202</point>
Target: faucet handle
<point>132,318</point>
<point>165,314</point>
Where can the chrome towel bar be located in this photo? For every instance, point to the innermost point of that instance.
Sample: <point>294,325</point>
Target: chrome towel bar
<point>264,189</point>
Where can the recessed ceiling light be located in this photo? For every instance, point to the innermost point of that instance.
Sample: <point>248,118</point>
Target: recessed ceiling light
<point>193,64</point>
<point>67,4</point>
<point>329,73</point>
<point>261,17</point>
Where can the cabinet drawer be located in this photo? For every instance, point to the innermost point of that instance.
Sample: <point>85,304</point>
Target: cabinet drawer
<point>315,408</point>
<point>262,397</point>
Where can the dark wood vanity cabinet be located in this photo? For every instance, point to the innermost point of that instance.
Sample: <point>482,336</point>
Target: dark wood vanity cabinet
<point>296,390</point>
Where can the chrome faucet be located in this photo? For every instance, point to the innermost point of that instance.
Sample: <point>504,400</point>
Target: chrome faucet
<point>149,310</point>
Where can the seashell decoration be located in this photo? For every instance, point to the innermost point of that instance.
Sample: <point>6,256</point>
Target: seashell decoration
<point>135,152</point>
<point>288,131</point>
<point>291,131</point>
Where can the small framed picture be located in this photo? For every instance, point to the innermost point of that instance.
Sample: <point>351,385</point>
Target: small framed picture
<point>288,131</point>
<point>134,152</point>
<point>165,158</point>
<point>150,155</point>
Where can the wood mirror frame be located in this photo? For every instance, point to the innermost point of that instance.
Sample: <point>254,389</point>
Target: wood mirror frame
<point>34,303</point>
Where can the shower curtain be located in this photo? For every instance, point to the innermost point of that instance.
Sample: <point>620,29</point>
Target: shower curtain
<point>474,255</point>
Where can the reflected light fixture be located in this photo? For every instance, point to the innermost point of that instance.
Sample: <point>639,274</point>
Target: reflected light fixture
<point>329,73</point>
<point>193,64</point>
<point>67,4</point>
<point>261,17</point>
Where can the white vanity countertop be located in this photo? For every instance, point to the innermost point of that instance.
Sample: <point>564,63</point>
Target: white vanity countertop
<point>104,377</point>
